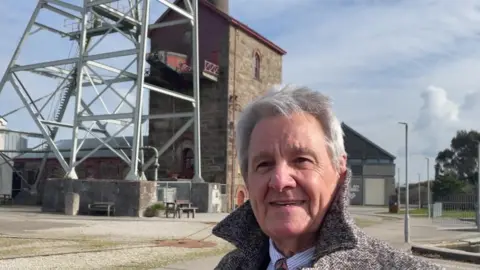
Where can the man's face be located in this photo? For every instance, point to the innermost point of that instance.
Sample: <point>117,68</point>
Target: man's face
<point>291,177</point>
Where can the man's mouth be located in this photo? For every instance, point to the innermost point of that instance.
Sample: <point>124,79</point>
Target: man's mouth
<point>287,203</point>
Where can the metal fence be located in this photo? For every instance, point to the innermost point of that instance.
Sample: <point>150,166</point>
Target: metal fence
<point>169,191</point>
<point>224,198</point>
<point>458,209</point>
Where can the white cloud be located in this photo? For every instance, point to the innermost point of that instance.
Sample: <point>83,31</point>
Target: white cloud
<point>379,59</point>
<point>437,109</point>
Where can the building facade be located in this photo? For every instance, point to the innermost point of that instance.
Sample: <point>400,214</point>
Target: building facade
<point>103,164</point>
<point>247,64</point>
<point>373,170</point>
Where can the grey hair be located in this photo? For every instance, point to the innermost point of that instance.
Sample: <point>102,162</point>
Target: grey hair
<point>287,100</point>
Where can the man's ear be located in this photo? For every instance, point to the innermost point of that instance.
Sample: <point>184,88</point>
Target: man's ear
<point>342,165</point>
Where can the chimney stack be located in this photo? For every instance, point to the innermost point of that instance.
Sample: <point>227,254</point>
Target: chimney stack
<point>222,5</point>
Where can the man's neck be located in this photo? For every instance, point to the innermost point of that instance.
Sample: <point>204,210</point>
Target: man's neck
<point>291,246</point>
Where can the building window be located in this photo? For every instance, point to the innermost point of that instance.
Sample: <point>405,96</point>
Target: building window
<point>354,161</point>
<point>356,169</point>
<point>371,161</point>
<point>257,64</point>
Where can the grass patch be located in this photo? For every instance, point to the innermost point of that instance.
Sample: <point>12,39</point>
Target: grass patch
<point>445,213</point>
<point>21,246</point>
<point>362,223</point>
<point>12,242</point>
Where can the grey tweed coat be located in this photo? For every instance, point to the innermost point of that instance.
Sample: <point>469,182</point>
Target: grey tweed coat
<point>341,244</point>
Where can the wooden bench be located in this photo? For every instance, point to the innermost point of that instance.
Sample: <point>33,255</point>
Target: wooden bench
<point>187,210</point>
<point>6,199</point>
<point>108,207</point>
<point>185,206</point>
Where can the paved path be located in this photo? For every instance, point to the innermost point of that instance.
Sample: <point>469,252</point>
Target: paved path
<point>200,264</point>
<point>422,231</point>
<point>210,262</point>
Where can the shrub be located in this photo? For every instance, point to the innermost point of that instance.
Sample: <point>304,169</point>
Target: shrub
<point>152,209</point>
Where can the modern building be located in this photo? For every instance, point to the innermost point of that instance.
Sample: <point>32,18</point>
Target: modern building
<point>8,141</point>
<point>373,170</point>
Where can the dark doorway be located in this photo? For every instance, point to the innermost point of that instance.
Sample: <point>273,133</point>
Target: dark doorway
<point>187,164</point>
<point>16,183</point>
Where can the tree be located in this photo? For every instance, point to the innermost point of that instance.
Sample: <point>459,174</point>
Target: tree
<point>445,185</point>
<point>460,160</point>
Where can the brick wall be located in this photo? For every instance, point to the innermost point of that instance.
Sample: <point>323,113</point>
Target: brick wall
<point>213,130</point>
<point>243,87</point>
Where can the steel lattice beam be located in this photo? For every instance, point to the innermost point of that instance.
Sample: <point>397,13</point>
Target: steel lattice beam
<point>84,73</point>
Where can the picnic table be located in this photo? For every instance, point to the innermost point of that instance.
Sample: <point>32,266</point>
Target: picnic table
<point>178,207</point>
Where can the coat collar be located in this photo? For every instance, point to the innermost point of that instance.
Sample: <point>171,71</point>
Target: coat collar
<point>337,232</point>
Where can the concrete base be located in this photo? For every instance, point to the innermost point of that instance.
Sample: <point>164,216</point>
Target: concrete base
<point>200,196</point>
<point>72,203</point>
<point>26,198</point>
<point>131,198</point>
<point>206,196</point>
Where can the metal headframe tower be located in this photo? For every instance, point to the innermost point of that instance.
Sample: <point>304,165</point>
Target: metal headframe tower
<point>97,21</point>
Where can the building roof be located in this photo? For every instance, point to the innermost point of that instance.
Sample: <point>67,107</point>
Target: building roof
<point>350,129</point>
<point>87,147</point>
<point>233,22</point>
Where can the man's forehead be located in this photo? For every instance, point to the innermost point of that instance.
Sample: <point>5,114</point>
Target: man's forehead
<point>296,148</point>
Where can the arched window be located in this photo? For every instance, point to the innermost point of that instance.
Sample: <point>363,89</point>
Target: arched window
<point>256,65</point>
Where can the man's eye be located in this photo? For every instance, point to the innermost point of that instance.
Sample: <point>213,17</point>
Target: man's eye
<point>264,164</point>
<point>302,160</point>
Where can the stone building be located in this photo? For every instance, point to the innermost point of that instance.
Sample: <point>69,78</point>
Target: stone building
<point>236,63</point>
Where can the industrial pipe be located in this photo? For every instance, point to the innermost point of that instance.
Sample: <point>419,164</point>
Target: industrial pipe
<point>153,160</point>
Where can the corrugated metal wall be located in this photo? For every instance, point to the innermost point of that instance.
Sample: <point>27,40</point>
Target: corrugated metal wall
<point>8,141</point>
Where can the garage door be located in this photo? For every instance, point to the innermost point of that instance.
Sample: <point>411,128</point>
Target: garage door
<point>374,191</point>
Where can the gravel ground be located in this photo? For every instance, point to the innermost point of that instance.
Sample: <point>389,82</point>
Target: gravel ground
<point>33,240</point>
<point>30,239</point>
<point>134,230</point>
<point>134,258</point>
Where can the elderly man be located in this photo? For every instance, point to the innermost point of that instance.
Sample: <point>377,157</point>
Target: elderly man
<point>292,157</point>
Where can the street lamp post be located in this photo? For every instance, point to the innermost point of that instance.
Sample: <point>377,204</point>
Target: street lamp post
<point>407,188</point>
<point>428,188</point>
<point>478,188</point>
<point>419,192</point>
<point>399,200</point>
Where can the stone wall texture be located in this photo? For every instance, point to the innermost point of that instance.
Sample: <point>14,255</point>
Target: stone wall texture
<point>243,87</point>
<point>131,198</point>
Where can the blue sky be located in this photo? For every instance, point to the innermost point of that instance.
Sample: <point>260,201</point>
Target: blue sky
<point>381,61</point>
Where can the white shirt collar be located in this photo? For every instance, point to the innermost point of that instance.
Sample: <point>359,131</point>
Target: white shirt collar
<point>297,261</point>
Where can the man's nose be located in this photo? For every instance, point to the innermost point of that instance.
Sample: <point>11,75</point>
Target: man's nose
<point>281,177</point>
